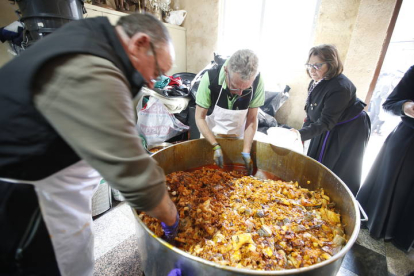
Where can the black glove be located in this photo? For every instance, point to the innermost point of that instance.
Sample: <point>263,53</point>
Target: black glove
<point>218,155</point>
<point>170,232</point>
<point>248,162</point>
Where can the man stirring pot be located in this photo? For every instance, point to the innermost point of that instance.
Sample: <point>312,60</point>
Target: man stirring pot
<point>228,99</point>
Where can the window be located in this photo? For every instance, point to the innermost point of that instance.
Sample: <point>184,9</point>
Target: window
<point>280,32</point>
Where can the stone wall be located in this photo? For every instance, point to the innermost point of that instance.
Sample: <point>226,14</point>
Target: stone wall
<point>366,44</point>
<point>359,29</point>
<point>202,24</point>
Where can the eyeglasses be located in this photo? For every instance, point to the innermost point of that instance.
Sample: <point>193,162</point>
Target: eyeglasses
<point>159,72</point>
<point>245,92</point>
<point>316,66</point>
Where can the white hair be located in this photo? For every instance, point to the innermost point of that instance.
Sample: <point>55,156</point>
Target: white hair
<point>244,62</point>
<point>145,23</point>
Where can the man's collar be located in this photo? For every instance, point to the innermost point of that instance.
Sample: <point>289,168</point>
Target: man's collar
<point>134,77</point>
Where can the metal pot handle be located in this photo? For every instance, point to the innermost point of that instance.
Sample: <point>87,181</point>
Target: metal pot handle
<point>362,212</point>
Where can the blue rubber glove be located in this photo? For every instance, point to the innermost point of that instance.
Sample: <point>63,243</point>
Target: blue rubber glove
<point>170,232</point>
<point>175,272</point>
<point>248,162</point>
<point>218,155</point>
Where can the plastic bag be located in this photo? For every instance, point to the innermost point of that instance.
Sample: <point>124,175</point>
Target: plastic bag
<point>274,100</point>
<point>265,121</point>
<point>281,137</point>
<point>156,124</point>
<point>173,104</point>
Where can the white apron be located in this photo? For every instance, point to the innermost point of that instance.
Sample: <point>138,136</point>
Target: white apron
<point>227,123</point>
<point>65,200</point>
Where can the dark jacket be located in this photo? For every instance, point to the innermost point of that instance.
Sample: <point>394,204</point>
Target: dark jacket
<point>332,101</point>
<point>388,191</point>
<point>338,128</point>
<point>403,92</point>
<point>36,150</point>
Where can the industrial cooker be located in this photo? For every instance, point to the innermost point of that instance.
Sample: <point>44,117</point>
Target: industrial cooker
<point>160,258</point>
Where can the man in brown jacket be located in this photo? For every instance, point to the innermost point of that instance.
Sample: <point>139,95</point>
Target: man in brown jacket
<point>67,118</point>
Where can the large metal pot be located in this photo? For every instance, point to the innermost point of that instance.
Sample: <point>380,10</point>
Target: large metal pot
<point>159,258</point>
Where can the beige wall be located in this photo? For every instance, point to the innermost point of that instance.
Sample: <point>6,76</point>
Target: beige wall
<point>7,16</point>
<point>202,32</point>
<point>358,28</point>
<point>367,41</point>
<point>335,24</point>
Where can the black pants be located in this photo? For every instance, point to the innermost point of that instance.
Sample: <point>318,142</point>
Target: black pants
<point>26,248</point>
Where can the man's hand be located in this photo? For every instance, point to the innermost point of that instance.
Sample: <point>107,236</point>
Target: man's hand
<point>170,232</point>
<point>218,155</point>
<point>167,213</point>
<point>248,162</point>
<point>296,132</point>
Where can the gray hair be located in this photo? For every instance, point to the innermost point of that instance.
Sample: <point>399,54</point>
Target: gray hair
<point>145,23</point>
<point>244,62</point>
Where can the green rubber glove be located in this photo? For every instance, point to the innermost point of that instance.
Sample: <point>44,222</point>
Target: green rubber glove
<point>218,155</point>
<point>248,162</point>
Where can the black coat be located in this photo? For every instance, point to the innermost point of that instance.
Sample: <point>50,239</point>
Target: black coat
<point>338,127</point>
<point>387,195</point>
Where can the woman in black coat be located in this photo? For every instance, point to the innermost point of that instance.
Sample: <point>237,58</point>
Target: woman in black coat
<point>338,127</point>
<point>387,195</point>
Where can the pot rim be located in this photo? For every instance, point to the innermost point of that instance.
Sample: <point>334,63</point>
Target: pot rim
<point>293,271</point>
<point>162,145</point>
